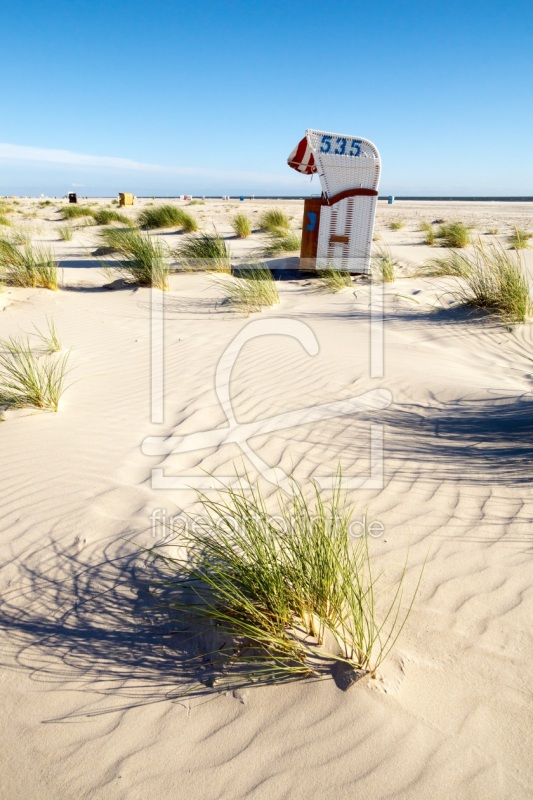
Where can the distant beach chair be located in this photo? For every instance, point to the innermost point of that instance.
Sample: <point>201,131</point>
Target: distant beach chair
<point>338,227</point>
<point>125,199</point>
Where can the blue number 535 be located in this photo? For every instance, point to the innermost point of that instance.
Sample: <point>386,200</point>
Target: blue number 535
<point>325,144</point>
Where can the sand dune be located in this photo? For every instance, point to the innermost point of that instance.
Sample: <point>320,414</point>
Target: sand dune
<point>93,687</point>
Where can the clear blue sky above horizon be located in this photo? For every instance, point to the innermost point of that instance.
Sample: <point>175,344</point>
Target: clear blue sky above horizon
<point>209,98</point>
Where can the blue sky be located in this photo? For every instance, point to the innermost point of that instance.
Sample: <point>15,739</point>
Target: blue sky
<point>209,98</point>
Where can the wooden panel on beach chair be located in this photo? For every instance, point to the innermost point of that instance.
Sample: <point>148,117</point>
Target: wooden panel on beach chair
<point>310,227</point>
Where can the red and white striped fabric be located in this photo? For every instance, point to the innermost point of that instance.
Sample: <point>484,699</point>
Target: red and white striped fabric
<point>301,159</point>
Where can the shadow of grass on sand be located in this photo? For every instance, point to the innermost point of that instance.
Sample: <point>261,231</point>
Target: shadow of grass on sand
<point>95,624</point>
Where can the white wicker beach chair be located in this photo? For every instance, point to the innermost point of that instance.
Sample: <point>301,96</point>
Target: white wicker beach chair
<point>349,168</point>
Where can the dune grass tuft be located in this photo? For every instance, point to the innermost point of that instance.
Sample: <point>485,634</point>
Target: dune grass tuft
<point>50,339</point>
<point>288,594</point>
<point>204,251</point>
<point>65,233</point>
<point>281,240</point>
<point>383,264</point>
<point>453,234</point>
<point>250,289</point>
<point>242,226</point>
<point>334,280</point>
<point>106,216</point>
<point>489,278</point>
<point>493,231</point>
<point>74,212</point>
<point>429,230</point>
<point>166,216</point>
<point>397,225</point>
<point>138,256</point>
<point>30,266</point>
<point>5,221</point>
<point>28,378</point>
<point>519,240</point>
<point>19,236</point>
<point>274,220</point>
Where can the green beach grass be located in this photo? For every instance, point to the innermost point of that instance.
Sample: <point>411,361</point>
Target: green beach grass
<point>139,257</point>
<point>204,252</point>
<point>289,592</point>
<point>31,379</point>
<point>250,289</point>
<point>489,278</point>
<point>166,216</point>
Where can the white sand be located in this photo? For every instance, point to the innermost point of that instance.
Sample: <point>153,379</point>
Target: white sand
<point>92,703</point>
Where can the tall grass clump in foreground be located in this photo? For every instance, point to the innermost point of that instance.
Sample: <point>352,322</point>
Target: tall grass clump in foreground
<point>334,280</point>
<point>288,595</point>
<point>166,216</point>
<point>383,265</point>
<point>204,251</point>
<point>138,256</point>
<point>519,240</point>
<point>242,226</point>
<point>30,379</point>
<point>29,266</point>
<point>251,289</point>
<point>273,220</point>
<point>453,234</point>
<point>397,225</point>
<point>490,278</point>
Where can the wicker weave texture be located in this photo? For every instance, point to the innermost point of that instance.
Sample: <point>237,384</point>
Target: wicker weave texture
<point>351,218</point>
<point>344,162</point>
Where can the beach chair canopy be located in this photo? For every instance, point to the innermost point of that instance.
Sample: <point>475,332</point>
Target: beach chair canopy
<point>301,159</point>
<point>348,168</point>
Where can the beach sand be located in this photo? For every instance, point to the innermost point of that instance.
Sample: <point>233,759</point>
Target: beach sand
<point>93,696</point>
